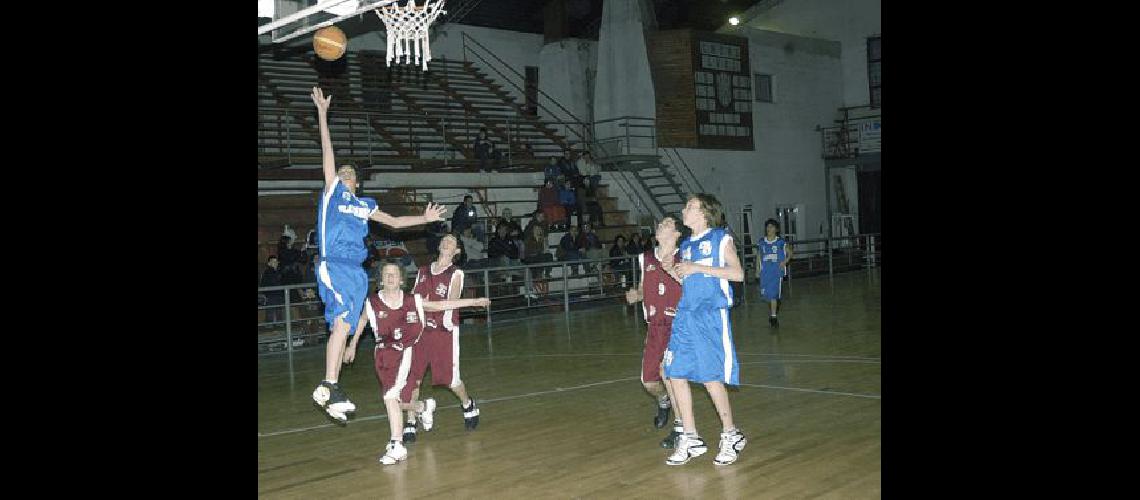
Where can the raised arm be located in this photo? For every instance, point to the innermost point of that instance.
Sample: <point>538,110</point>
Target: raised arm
<point>432,213</point>
<point>328,162</point>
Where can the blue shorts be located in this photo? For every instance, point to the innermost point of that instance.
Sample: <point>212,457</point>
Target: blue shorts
<point>771,283</point>
<point>343,285</point>
<point>701,348</point>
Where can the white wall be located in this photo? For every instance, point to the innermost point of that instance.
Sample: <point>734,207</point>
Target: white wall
<point>624,84</point>
<point>786,166</point>
<point>849,22</point>
<point>564,74</point>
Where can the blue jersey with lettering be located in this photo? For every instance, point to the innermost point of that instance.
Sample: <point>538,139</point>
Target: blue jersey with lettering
<point>771,254</point>
<point>342,223</point>
<point>699,290</point>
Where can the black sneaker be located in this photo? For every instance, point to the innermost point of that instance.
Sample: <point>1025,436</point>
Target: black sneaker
<point>662,417</point>
<point>471,416</point>
<point>332,399</point>
<point>671,440</point>
<point>773,322</point>
<point>409,432</point>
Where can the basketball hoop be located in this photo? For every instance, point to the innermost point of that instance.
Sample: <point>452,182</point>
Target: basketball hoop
<point>407,30</point>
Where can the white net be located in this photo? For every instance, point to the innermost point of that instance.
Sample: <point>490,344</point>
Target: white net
<point>407,30</point>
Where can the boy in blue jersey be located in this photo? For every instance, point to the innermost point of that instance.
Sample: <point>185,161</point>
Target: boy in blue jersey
<point>700,346</point>
<point>342,224</point>
<point>774,255</point>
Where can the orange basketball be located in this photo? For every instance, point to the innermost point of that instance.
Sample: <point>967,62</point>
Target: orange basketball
<point>330,43</point>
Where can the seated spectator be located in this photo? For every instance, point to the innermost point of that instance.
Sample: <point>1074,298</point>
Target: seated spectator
<point>537,219</point>
<point>502,250</point>
<point>568,248</point>
<point>619,249</point>
<point>485,152</point>
<point>589,245</point>
<point>514,229</point>
<point>552,171</point>
<point>551,205</point>
<point>569,200</point>
<point>591,172</point>
<point>535,252</point>
<point>569,170</point>
<point>466,216</point>
<point>592,207</point>
<point>474,250</point>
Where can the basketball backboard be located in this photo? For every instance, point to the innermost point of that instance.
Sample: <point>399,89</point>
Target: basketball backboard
<point>284,20</point>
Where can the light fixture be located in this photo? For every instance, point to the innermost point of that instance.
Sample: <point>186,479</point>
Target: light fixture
<point>734,20</point>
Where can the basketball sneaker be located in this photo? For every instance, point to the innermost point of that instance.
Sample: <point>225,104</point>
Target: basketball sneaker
<point>428,415</point>
<point>687,447</point>
<point>394,453</point>
<point>328,395</point>
<point>410,432</point>
<point>731,443</point>
<point>671,439</point>
<point>471,416</point>
<point>773,322</point>
<point>662,417</point>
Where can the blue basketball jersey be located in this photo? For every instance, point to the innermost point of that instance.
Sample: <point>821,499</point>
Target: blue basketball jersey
<point>771,253</point>
<point>342,223</point>
<point>699,290</point>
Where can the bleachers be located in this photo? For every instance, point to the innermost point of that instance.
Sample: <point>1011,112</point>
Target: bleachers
<point>395,115</point>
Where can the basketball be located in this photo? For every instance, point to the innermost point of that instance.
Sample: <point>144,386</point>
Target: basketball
<point>330,43</point>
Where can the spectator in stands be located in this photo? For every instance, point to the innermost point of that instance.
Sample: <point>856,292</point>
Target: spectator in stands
<point>485,152</point>
<point>592,207</point>
<point>552,171</point>
<point>503,251</point>
<point>568,248</point>
<point>637,244</point>
<point>474,249</point>
<point>569,169</point>
<point>569,200</point>
<point>535,252</point>
<point>619,249</point>
<point>590,245</point>
<point>285,252</point>
<point>551,205</point>
<point>513,226</point>
<point>272,277</point>
<point>591,172</point>
<point>466,216</point>
<point>537,220</point>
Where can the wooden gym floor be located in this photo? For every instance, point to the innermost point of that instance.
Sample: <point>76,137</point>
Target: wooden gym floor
<point>564,414</point>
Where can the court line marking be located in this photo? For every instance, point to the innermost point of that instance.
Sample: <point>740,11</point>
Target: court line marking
<point>557,390</point>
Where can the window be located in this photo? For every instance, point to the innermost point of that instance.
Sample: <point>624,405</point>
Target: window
<point>763,87</point>
<point>874,68</point>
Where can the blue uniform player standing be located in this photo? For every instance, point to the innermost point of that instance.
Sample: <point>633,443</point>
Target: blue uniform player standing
<point>342,224</point>
<point>700,346</point>
<point>774,255</point>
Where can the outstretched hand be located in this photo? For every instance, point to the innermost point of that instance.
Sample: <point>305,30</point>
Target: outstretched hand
<point>320,100</point>
<point>433,212</point>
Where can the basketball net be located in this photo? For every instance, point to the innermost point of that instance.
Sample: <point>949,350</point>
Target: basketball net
<point>407,29</point>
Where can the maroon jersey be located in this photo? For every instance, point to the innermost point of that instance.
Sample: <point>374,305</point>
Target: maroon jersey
<point>662,292</point>
<point>395,326</point>
<point>435,287</point>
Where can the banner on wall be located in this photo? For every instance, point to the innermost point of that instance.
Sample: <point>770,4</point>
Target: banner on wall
<point>870,136</point>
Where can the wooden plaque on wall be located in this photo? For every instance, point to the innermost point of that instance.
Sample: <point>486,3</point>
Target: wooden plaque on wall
<point>703,86</point>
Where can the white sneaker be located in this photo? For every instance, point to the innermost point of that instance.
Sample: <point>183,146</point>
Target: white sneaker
<point>731,443</point>
<point>428,415</point>
<point>687,447</point>
<point>394,453</point>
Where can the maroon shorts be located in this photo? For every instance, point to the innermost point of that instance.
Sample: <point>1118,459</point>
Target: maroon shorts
<point>656,341</point>
<point>438,348</point>
<point>392,369</point>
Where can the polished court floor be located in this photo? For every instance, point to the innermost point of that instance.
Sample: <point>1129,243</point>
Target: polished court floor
<point>564,414</point>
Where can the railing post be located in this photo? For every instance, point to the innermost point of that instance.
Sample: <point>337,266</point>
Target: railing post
<point>487,292</point>
<point>368,122</point>
<point>871,249</point>
<point>288,140</point>
<point>830,267</point>
<point>565,289</point>
<point>288,324</point>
